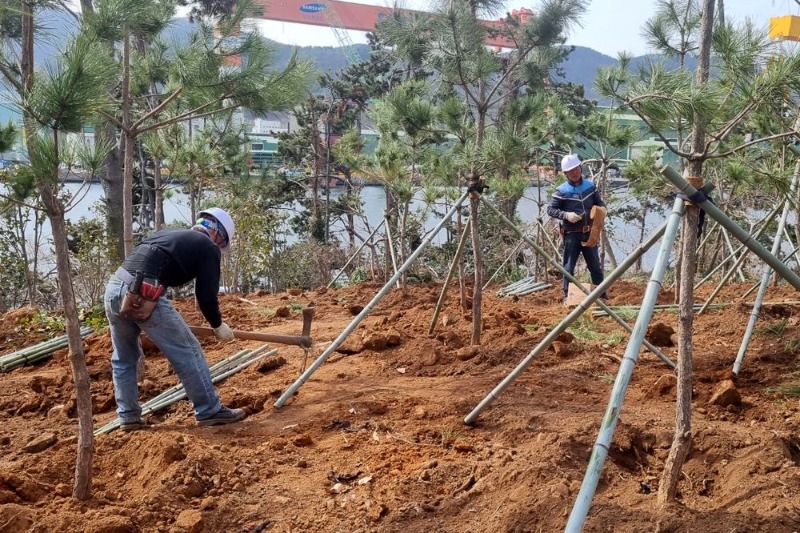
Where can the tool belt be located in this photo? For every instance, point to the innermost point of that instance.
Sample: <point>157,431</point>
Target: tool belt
<point>583,229</point>
<point>142,295</point>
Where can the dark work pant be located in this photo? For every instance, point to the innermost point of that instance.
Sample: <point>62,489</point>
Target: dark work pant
<point>572,249</point>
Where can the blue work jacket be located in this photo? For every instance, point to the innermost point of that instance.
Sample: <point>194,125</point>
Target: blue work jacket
<point>579,199</point>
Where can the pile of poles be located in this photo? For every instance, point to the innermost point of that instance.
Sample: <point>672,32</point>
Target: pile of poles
<point>524,286</point>
<point>219,371</point>
<point>40,351</point>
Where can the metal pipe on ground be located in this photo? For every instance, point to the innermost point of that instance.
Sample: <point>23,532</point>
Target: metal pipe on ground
<point>219,371</point>
<point>564,324</point>
<point>600,451</point>
<point>368,308</point>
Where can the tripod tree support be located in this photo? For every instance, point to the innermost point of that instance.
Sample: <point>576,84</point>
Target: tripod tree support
<point>570,318</point>
<point>355,254</point>
<point>739,259</point>
<point>459,250</point>
<point>744,237</point>
<point>369,307</point>
<point>762,290</point>
<point>573,279</point>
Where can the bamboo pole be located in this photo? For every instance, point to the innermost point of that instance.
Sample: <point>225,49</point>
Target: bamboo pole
<point>572,278</point>
<point>368,308</point>
<point>745,238</point>
<point>600,451</point>
<point>219,371</point>
<point>391,250</point>
<point>37,352</point>
<point>524,286</point>
<point>665,307</point>
<point>506,260</point>
<point>564,324</point>
<point>453,266</point>
<point>793,253</point>
<point>786,259</point>
<point>762,291</point>
<point>733,252</point>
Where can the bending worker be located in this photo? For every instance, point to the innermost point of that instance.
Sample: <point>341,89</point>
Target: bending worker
<point>135,302</point>
<point>572,203</point>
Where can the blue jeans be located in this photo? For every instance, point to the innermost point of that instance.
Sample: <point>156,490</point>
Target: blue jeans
<point>572,249</point>
<point>171,334</point>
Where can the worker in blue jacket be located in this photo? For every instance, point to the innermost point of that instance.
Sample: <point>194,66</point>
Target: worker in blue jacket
<point>572,204</point>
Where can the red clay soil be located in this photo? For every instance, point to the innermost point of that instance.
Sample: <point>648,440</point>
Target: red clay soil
<point>375,440</point>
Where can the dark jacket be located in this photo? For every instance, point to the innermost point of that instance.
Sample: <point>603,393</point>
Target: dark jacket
<point>176,257</point>
<point>575,199</point>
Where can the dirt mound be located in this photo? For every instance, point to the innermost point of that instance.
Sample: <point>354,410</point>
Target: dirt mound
<point>375,439</point>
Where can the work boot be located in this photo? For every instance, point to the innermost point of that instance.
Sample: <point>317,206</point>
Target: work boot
<point>223,416</point>
<point>134,425</point>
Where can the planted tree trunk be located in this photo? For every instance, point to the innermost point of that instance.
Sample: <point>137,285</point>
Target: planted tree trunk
<point>682,438</point>
<point>55,212</point>
<point>130,140</point>
<point>477,254</point>
<point>111,179</point>
<point>158,209</point>
<point>462,286</point>
<point>401,247</point>
<point>82,486</point>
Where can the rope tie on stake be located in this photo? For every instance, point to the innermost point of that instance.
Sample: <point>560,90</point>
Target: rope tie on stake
<point>476,188</point>
<point>698,197</point>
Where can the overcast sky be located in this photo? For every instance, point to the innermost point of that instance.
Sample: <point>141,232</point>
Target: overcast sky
<point>609,26</point>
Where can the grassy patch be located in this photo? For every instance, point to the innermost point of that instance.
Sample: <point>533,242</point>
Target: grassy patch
<point>788,389</point>
<point>615,338</point>
<point>626,312</point>
<point>776,328</point>
<point>792,346</point>
<point>450,435</point>
<point>43,322</point>
<point>585,329</point>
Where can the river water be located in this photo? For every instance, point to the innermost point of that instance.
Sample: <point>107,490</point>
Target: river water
<point>625,236</point>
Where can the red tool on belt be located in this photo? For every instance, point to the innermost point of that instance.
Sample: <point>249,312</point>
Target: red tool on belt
<point>151,288</point>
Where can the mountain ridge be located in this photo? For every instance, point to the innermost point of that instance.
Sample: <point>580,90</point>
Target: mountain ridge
<point>580,67</point>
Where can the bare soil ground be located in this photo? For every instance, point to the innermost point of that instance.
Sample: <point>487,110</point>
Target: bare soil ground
<point>375,440</point>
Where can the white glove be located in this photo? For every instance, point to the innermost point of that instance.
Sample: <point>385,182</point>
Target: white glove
<point>223,332</point>
<point>572,217</point>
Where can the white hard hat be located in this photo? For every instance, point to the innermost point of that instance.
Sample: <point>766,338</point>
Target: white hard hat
<point>223,218</point>
<point>569,162</point>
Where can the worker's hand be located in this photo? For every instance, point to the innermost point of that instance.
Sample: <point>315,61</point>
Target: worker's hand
<point>223,332</point>
<point>572,217</point>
